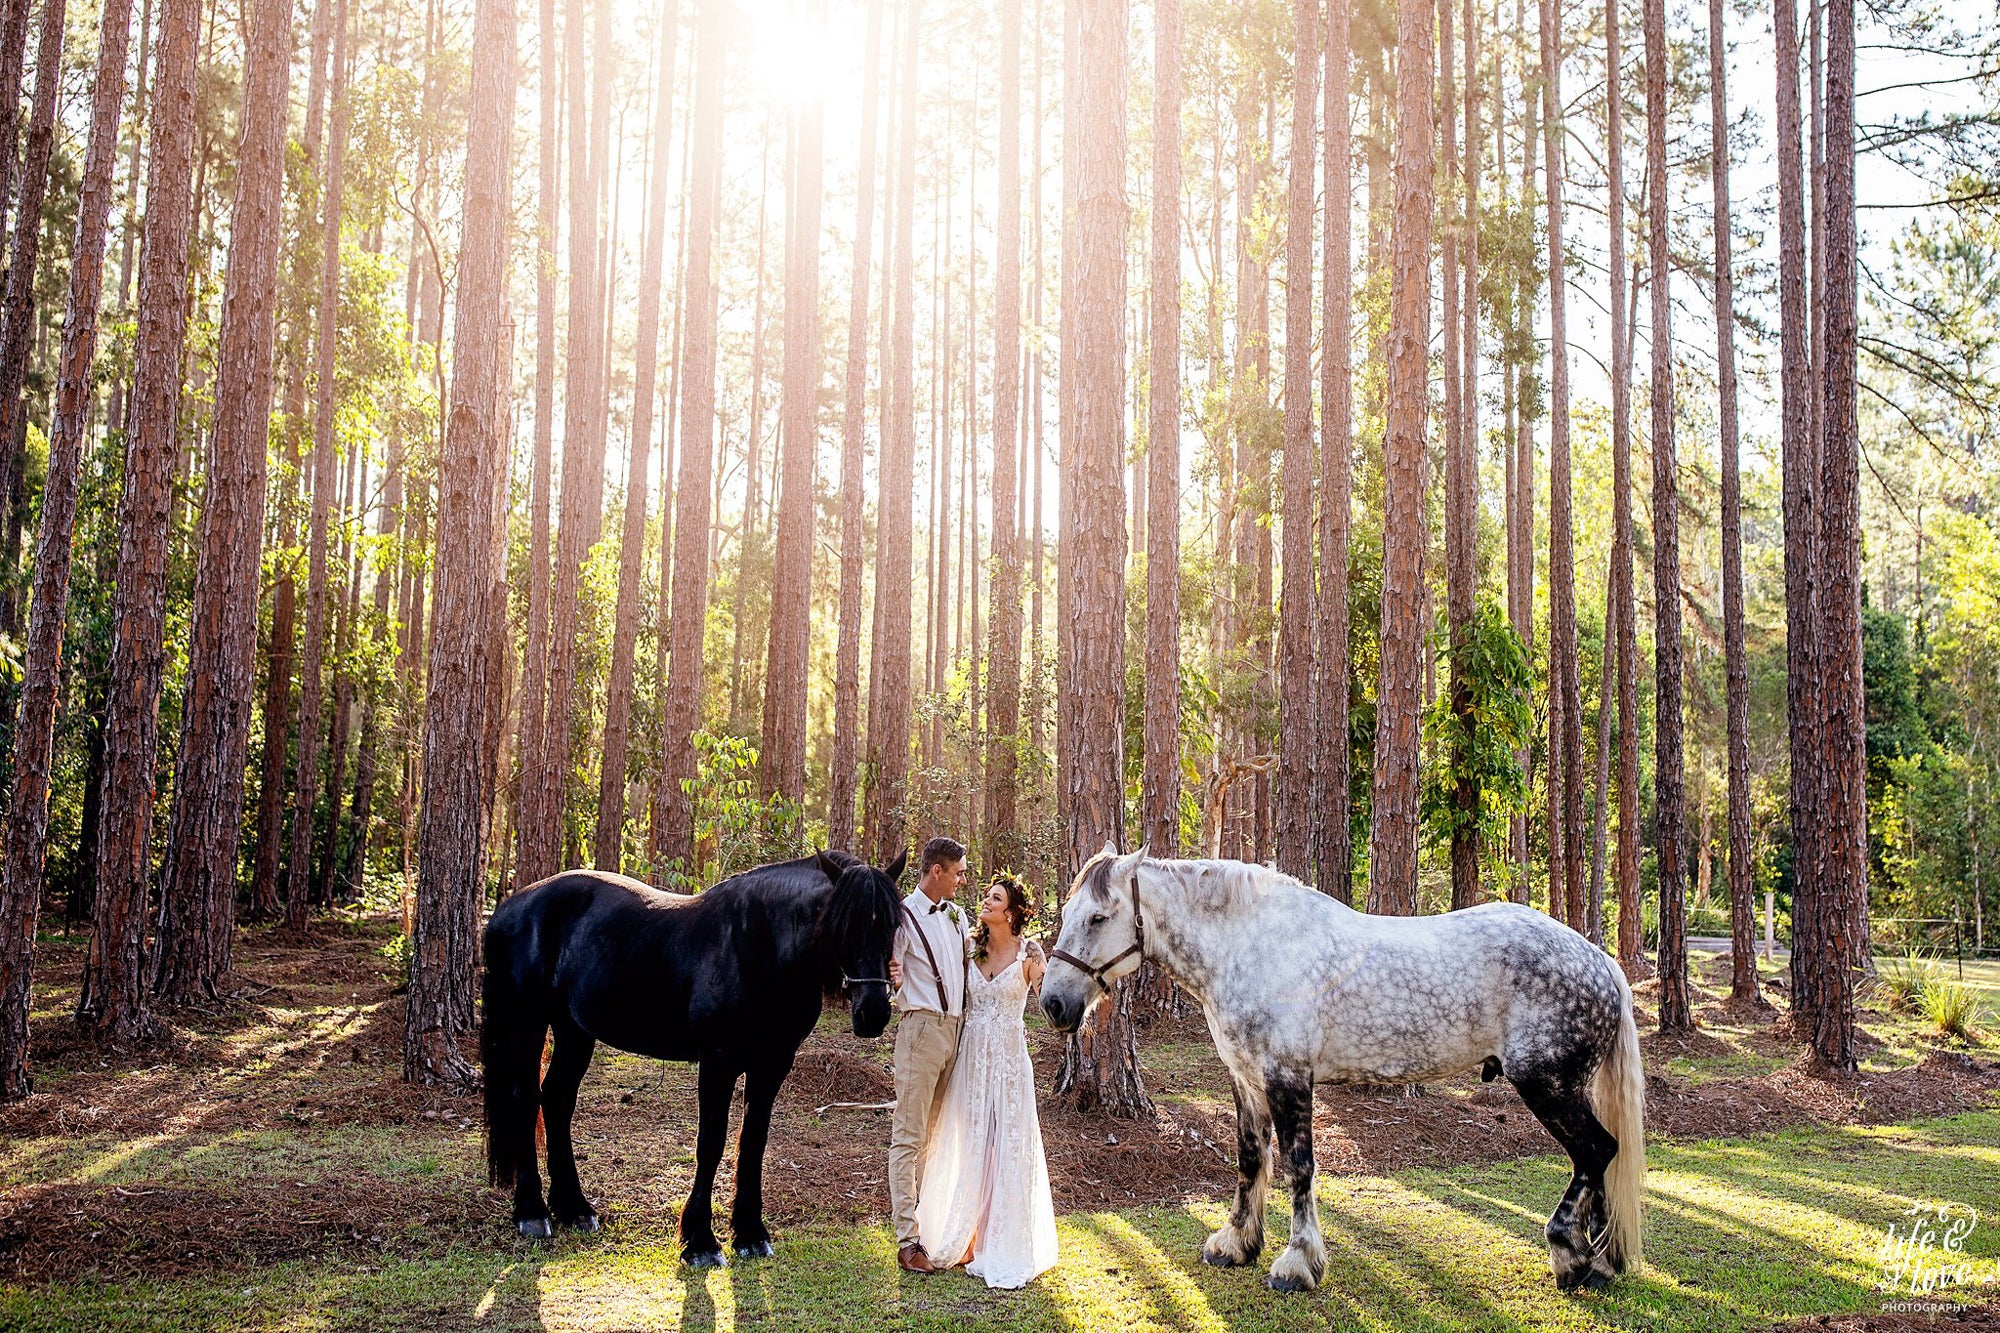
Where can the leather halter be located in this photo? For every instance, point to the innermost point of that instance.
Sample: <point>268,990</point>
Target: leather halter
<point>1137,946</point>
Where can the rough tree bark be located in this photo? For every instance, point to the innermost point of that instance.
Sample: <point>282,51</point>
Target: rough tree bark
<point>1392,834</point>
<point>889,677</point>
<point>198,898</point>
<point>784,753</point>
<point>112,1005</point>
<point>24,843</point>
<point>1565,708</point>
<point>1100,1070</point>
<point>298,876</point>
<point>1742,906</point>
<point>1293,789</point>
<point>1332,770</point>
<point>1840,923</point>
<point>842,775</point>
<point>17,312</point>
<point>544,784</point>
<point>1461,478</point>
<point>1003,673</point>
<point>535,660</point>
<point>1160,798</point>
<point>1669,777</point>
<point>444,937</point>
<point>1624,643</point>
<point>682,712</point>
<point>608,851</point>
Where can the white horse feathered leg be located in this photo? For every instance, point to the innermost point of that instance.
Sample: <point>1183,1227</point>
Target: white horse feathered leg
<point>1241,1239</point>
<point>1303,1262</point>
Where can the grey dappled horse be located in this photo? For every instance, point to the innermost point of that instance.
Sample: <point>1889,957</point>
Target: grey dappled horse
<point>1300,988</point>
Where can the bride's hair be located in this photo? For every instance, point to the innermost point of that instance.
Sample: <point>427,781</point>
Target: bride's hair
<point>1020,909</point>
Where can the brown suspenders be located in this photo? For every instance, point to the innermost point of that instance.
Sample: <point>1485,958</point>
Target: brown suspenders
<point>930,956</point>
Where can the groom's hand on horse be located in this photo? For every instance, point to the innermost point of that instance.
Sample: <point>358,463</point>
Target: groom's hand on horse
<point>895,974</point>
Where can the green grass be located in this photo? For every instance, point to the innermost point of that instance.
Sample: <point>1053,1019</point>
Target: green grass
<point>1741,1234</point>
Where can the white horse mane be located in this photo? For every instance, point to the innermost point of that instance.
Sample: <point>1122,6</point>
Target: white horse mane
<point>1221,887</point>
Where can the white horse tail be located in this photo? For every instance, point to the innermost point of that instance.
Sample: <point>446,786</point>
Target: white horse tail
<point>1618,1095</point>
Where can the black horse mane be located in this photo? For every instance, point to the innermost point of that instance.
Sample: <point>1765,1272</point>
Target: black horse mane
<point>863,909</point>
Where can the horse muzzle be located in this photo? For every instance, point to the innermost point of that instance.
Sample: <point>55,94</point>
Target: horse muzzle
<point>870,1012</point>
<point>1065,1006</point>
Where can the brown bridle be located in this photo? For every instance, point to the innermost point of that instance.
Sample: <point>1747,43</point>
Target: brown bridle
<point>1138,945</point>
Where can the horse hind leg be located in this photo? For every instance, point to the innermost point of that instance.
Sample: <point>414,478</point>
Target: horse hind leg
<point>1303,1263</point>
<point>1241,1239</point>
<point>567,1063</point>
<point>1577,1229</point>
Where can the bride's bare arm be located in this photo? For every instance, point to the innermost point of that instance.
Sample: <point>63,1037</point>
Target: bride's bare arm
<point>1033,963</point>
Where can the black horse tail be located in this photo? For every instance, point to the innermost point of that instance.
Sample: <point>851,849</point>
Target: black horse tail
<point>510,1047</point>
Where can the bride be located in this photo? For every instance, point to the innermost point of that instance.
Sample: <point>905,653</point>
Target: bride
<point>984,1201</point>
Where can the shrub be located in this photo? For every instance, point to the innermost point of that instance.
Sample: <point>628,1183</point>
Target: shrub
<point>1949,1005</point>
<point>1900,981</point>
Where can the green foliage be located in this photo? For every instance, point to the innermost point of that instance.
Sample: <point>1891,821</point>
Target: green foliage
<point>1900,980</point>
<point>1482,743</point>
<point>1949,1005</point>
<point>734,827</point>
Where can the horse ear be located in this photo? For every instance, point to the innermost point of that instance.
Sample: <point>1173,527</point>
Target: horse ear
<point>1128,866</point>
<point>894,870</point>
<point>827,865</point>
<point>1110,848</point>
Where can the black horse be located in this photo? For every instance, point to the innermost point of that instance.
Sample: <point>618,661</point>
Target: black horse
<point>732,978</point>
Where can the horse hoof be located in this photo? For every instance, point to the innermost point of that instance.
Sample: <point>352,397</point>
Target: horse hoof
<point>1217,1259</point>
<point>1593,1280</point>
<point>1286,1284</point>
<point>705,1259</point>
<point>588,1223</point>
<point>535,1228</point>
<point>756,1249</point>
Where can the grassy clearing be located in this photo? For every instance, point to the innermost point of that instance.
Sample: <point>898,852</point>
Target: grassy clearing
<point>1742,1234</point>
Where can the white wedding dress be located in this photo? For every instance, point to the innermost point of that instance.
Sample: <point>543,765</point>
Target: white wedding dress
<point>985,1180</point>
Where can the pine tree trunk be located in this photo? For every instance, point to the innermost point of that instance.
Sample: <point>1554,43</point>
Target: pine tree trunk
<point>608,851</point>
<point>1333,769</point>
<point>1461,486</point>
<point>888,761</point>
<point>1801,479</point>
<point>24,844</point>
<point>1100,1071</point>
<point>1618,626</point>
<point>1293,789</point>
<point>17,313</point>
<point>1566,706</point>
<point>1465,843</point>
<point>1841,922</point>
<point>1392,835</point>
<point>1742,905</point>
<point>112,1005</point>
<point>298,878</point>
<point>440,1017</point>
<point>545,787</point>
<point>1003,673</point>
<point>531,859</point>
<point>784,753</point>
<point>1669,777</point>
<point>682,710</point>
<point>843,772</point>
<point>198,898</point>
<point>1160,800</point>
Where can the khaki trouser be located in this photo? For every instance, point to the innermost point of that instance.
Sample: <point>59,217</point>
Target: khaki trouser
<point>926,1049</point>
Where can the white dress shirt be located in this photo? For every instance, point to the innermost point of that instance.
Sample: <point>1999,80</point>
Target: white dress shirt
<point>944,929</point>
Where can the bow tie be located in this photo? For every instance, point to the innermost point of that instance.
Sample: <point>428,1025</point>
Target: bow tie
<point>938,907</point>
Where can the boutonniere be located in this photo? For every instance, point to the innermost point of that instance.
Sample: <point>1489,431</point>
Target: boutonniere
<point>957,916</point>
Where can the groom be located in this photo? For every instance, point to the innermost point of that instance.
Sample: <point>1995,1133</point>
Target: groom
<point>928,967</point>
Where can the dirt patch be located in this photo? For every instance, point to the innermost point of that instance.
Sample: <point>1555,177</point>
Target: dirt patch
<point>65,1232</point>
<point>1944,1314</point>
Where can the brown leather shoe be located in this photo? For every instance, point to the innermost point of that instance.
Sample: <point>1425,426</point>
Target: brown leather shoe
<point>912,1259</point>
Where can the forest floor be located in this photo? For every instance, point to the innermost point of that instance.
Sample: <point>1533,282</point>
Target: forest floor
<point>264,1166</point>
